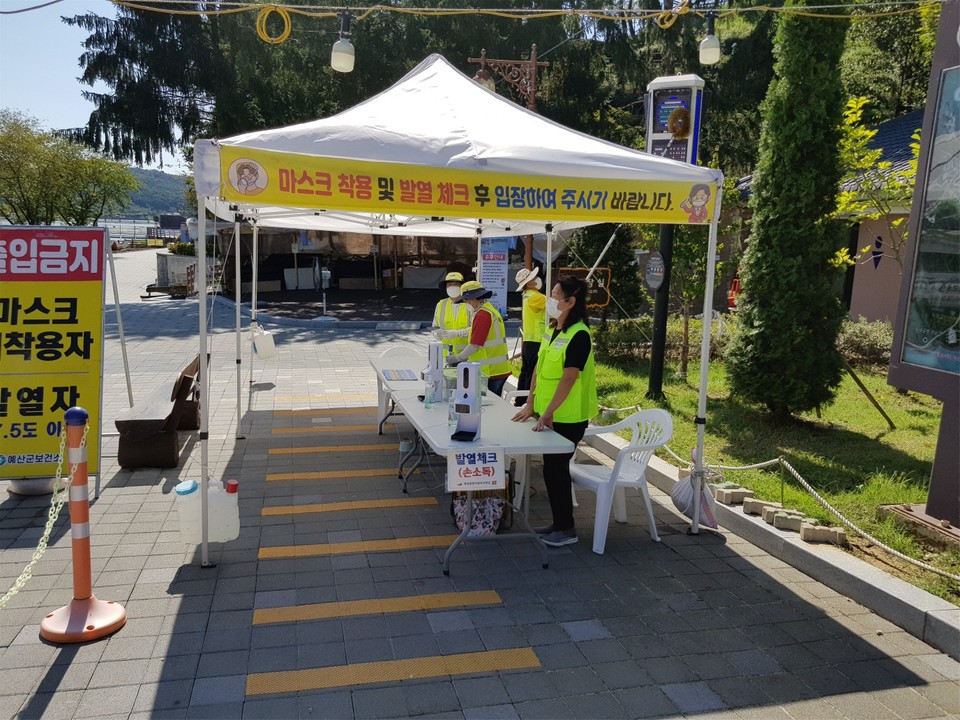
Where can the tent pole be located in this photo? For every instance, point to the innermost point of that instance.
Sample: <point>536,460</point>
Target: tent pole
<point>236,292</point>
<point>603,252</point>
<point>123,339</point>
<point>479,251</point>
<point>253,290</point>
<point>548,281</point>
<point>701,419</point>
<point>203,378</point>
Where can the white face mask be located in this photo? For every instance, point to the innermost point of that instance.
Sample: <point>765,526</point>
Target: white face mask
<point>453,291</point>
<point>553,308</point>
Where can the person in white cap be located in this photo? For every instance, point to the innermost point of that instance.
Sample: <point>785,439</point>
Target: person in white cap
<point>451,321</point>
<point>533,320</point>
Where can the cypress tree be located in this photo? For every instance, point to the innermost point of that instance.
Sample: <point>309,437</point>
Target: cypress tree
<point>785,356</point>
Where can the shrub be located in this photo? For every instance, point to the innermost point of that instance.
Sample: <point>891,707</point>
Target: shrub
<point>633,338</point>
<point>182,248</point>
<point>866,343</point>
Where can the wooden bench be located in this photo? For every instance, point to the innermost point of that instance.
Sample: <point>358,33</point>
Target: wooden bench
<point>148,430</point>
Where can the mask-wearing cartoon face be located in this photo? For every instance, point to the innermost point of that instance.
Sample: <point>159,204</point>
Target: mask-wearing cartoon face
<point>453,291</point>
<point>700,199</point>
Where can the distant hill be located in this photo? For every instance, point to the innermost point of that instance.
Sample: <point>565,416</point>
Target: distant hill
<point>159,193</point>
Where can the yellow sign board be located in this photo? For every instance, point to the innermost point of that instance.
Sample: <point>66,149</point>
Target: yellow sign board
<point>292,180</point>
<point>51,343</point>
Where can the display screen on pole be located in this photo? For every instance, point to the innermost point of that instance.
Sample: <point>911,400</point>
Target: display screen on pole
<point>665,102</point>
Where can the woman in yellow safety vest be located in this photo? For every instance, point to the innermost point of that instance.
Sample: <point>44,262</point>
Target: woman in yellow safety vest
<point>487,343</point>
<point>534,317</point>
<point>563,397</point>
<point>451,322</point>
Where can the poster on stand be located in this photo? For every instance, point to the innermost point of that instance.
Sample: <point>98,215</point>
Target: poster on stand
<point>494,253</point>
<point>51,343</point>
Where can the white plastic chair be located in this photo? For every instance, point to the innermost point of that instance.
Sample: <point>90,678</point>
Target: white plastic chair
<point>650,429</point>
<point>385,404</point>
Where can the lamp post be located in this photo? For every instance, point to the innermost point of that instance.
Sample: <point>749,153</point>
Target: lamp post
<point>522,76</point>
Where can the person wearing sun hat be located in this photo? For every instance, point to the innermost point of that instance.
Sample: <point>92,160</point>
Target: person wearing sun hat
<point>534,318</point>
<point>487,343</point>
<point>451,322</point>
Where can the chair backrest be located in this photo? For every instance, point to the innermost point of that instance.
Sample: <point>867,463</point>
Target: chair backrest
<point>401,350</point>
<point>514,394</point>
<point>650,430</point>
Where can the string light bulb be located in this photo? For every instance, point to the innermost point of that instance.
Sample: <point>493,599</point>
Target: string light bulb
<point>710,45</point>
<point>342,55</point>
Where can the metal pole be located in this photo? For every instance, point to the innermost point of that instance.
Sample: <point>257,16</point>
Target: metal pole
<point>203,380</point>
<point>236,293</point>
<point>253,301</point>
<point>123,339</point>
<point>661,307</point>
<point>701,419</point>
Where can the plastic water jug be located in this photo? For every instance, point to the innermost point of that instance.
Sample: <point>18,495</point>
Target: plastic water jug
<point>223,514</point>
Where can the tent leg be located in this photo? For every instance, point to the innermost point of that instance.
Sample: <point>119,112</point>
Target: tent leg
<point>236,292</point>
<point>203,381</point>
<point>701,419</point>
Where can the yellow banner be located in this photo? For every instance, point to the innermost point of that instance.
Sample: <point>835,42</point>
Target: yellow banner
<point>51,336</point>
<point>291,180</point>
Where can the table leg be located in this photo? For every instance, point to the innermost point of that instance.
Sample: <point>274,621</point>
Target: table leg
<point>423,455</point>
<point>468,520</point>
<point>383,397</point>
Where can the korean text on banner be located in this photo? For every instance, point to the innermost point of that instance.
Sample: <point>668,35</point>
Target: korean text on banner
<point>475,469</point>
<point>287,179</point>
<point>493,271</point>
<point>51,342</point>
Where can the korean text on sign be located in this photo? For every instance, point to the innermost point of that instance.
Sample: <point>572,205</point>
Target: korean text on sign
<point>51,339</point>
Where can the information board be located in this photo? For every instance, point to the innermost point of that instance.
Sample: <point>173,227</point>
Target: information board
<point>494,253</point>
<point>51,343</point>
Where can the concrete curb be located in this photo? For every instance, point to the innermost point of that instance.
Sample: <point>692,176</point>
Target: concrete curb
<point>927,617</point>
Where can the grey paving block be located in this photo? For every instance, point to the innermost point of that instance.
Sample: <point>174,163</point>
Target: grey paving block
<point>169,695</point>
<point>271,708</point>
<point>543,709</point>
<point>434,697</point>
<point>585,630</point>
<point>119,700</point>
<point>591,707</point>
<point>61,704</point>
<point>491,712</point>
<point>218,690</point>
<point>693,697</point>
<point>481,692</point>
<point>378,702</point>
<point>332,704</point>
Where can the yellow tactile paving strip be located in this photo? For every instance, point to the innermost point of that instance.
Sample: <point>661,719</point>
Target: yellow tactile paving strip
<point>324,411</point>
<point>390,671</point>
<point>335,429</point>
<point>355,548</point>
<point>333,474</point>
<point>349,505</point>
<point>381,447</point>
<point>377,606</point>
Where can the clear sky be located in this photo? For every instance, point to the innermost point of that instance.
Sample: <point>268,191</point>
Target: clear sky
<point>39,62</point>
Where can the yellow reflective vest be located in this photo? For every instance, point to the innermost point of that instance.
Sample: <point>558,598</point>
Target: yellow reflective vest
<point>581,404</point>
<point>492,356</point>
<point>534,315</point>
<point>452,316</point>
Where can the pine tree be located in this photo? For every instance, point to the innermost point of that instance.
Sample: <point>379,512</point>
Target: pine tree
<point>785,356</point>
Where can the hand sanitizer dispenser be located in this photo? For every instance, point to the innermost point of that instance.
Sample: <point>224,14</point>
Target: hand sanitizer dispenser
<point>467,398</point>
<point>433,375</point>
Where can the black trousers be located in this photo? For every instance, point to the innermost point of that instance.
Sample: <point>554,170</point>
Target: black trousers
<point>556,476</point>
<point>528,354</point>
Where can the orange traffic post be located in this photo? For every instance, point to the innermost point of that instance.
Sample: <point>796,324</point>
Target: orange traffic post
<point>86,617</point>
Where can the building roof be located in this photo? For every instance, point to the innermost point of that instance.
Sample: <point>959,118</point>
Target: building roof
<point>893,138</point>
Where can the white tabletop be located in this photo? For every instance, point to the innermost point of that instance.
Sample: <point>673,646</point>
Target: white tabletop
<point>496,428</point>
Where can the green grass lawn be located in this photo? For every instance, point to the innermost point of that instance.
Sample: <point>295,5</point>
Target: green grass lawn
<point>848,454</point>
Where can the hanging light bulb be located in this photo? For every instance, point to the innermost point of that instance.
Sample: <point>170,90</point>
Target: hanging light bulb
<point>710,45</point>
<point>342,55</point>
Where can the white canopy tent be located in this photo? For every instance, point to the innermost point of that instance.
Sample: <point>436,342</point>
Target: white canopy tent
<point>437,154</point>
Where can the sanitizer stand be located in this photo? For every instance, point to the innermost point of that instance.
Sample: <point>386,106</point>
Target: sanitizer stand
<point>433,375</point>
<point>467,399</point>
